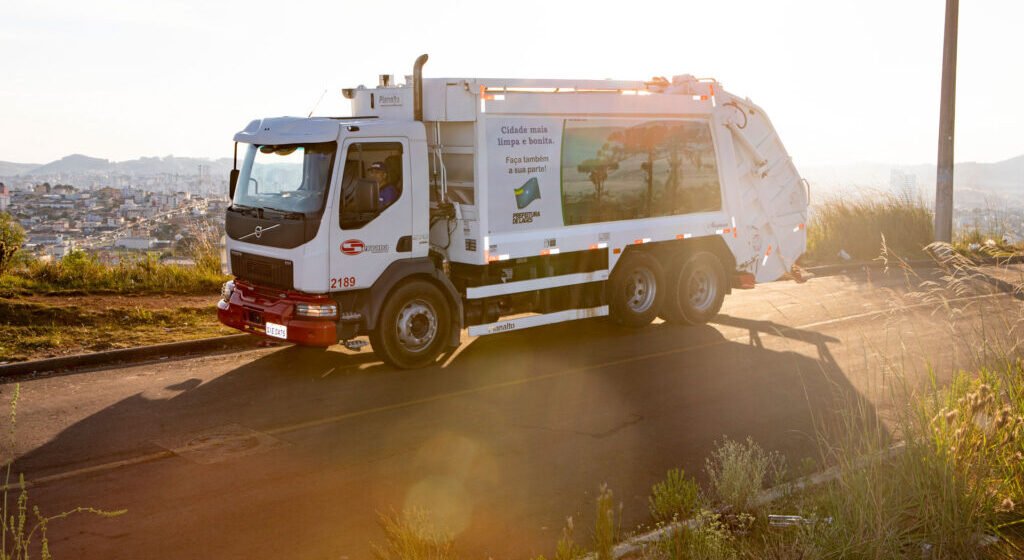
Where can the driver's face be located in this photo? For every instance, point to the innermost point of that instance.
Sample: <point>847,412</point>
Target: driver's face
<point>378,175</point>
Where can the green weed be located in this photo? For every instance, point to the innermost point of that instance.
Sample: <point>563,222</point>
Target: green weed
<point>606,525</point>
<point>24,529</point>
<point>676,497</point>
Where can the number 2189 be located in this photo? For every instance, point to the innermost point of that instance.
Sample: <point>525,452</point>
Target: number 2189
<point>346,282</point>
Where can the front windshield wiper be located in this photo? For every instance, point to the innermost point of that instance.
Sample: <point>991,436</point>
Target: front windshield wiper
<point>243,209</point>
<point>286,214</point>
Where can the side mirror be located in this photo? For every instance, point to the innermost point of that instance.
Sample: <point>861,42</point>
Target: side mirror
<point>232,183</point>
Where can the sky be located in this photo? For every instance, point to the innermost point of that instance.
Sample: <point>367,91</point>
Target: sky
<point>843,81</point>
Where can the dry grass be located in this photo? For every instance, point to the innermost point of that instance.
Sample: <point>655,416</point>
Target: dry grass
<point>412,536</point>
<point>857,226</point>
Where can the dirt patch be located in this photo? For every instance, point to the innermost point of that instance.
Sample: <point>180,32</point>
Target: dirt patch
<point>151,302</point>
<point>38,327</point>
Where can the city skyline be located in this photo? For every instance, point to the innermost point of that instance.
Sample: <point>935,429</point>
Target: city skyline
<point>843,83</point>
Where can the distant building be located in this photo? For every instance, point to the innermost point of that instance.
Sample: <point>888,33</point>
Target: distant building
<point>59,250</point>
<point>135,243</point>
<point>5,197</point>
<point>904,184</point>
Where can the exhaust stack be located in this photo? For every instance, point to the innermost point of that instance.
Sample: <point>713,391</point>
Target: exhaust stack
<point>417,84</point>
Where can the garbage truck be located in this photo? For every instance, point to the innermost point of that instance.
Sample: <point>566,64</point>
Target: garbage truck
<point>495,205</point>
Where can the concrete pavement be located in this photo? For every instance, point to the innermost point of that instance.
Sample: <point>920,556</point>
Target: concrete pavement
<point>290,452</point>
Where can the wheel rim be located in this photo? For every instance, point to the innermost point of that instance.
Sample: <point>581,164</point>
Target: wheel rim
<point>702,289</point>
<point>417,325</point>
<point>640,290</point>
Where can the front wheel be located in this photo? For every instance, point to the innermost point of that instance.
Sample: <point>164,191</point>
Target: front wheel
<point>635,290</point>
<point>413,326</point>
<point>696,289</point>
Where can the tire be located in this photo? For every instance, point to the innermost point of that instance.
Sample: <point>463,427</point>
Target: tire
<point>635,290</point>
<point>696,289</point>
<point>413,326</point>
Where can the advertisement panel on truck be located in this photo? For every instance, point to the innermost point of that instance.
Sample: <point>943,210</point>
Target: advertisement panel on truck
<point>546,173</point>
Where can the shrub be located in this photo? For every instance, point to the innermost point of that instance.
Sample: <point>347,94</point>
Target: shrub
<point>11,239</point>
<point>79,271</point>
<point>737,472</point>
<point>676,497</point>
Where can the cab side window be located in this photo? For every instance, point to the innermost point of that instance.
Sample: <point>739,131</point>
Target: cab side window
<point>372,181</point>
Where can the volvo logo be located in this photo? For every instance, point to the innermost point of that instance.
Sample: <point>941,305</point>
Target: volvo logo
<point>258,232</point>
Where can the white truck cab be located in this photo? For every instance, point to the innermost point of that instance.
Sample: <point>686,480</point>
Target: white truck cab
<point>498,205</point>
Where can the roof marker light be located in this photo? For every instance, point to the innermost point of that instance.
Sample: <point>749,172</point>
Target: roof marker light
<point>798,228</point>
<point>684,236</point>
<point>551,251</point>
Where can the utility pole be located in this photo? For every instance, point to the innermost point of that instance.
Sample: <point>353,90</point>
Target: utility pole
<point>947,117</point>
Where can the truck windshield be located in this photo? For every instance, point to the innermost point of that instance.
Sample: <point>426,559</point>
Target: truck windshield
<point>289,178</point>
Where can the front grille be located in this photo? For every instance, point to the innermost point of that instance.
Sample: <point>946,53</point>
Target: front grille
<point>263,271</point>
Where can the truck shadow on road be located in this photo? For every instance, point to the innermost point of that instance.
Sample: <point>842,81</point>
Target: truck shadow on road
<point>540,417</point>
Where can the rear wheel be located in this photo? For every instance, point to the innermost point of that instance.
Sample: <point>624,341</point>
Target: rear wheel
<point>696,289</point>
<point>413,326</point>
<point>635,290</point>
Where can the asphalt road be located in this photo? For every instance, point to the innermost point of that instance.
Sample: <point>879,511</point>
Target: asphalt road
<point>289,453</point>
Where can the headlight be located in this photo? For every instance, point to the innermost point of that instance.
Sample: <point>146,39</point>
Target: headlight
<point>227,289</point>
<point>316,310</point>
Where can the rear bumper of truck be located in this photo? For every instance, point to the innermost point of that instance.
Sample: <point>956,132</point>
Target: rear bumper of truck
<point>262,311</point>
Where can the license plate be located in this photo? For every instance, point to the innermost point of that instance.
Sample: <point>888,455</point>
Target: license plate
<point>277,331</point>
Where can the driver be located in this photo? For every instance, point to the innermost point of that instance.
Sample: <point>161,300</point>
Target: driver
<point>388,188</point>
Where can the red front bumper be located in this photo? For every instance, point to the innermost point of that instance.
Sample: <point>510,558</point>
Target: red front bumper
<point>249,310</point>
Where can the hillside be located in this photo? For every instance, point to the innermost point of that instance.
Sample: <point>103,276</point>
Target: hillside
<point>10,169</point>
<point>976,183</point>
<point>78,163</point>
<point>75,163</point>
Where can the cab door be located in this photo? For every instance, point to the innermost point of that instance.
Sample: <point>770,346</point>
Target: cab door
<point>368,234</point>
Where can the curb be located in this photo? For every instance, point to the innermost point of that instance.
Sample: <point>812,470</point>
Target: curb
<point>231,343</point>
<point>833,269</point>
<point>857,266</point>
